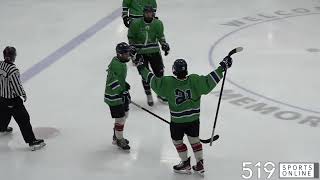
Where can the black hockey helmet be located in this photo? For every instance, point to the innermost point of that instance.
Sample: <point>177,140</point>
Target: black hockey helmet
<point>9,54</point>
<point>180,68</point>
<point>122,48</point>
<point>148,9</point>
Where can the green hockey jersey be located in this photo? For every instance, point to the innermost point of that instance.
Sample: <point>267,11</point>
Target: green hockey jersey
<point>134,8</point>
<point>183,95</point>
<point>115,83</point>
<point>146,36</point>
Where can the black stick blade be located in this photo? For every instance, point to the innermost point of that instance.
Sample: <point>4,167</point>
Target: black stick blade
<point>206,141</point>
<point>235,50</point>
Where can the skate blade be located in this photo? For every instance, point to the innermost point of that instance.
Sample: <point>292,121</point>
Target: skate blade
<point>5,133</point>
<point>188,171</point>
<point>124,150</point>
<point>114,142</point>
<point>201,173</point>
<point>37,147</point>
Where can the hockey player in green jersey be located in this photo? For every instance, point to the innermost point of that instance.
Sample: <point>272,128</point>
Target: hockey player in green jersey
<point>132,9</point>
<point>184,94</point>
<point>145,34</point>
<point>117,92</point>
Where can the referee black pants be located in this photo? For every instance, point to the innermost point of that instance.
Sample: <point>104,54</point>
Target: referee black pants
<point>15,108</point>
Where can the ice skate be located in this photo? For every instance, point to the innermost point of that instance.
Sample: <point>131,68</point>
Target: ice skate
<point>114,140</point>
<point>36,144</point>
<point>150,100</point>
<point>198,168</point>
<point>6,131</point>
<point>183,168</point>
<point>122,144</point>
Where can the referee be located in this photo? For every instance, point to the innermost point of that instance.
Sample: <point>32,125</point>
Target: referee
<point>11,104</point>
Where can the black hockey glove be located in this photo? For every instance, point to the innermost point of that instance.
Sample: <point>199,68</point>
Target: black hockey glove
<point>126,97</point>
<point>126,21</point>
<point>24,97</point>
<point>226,62</point>
<point>127,86</point>
<point>133,53</point>
<point>166,48</point>
<point>139,62</point>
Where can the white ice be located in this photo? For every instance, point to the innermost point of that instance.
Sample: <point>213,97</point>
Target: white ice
<point>66,105</point>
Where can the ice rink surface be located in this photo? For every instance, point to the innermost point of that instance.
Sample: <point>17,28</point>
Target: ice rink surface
<point>270,111</point>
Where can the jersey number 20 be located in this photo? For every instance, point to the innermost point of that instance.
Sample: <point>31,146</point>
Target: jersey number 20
<point>182,96</point>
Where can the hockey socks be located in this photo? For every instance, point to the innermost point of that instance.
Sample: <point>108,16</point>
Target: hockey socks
<point>118,127</point>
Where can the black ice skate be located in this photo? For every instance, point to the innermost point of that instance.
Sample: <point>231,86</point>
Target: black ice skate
<point>121,143</point>
<point>6,131</point>
<point>114,140</point>
<point>36,144</point>
<point>198,168</point>
<point>150,100</point>
<point>183,168</point>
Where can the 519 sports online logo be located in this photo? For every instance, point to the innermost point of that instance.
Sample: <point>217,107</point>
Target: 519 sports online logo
<point>282,170</point>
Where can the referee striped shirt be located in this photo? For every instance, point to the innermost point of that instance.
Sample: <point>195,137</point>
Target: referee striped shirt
<point>10,83</point>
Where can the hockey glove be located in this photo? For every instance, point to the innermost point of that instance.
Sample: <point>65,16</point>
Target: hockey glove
<point>126,21</point>
<point>139,62</point>
<point>166,48</point>
<point>226,62</point>
<point>127,86</point>
<point>24,98</point>
<point>126,97</point>
<point>133,52</point>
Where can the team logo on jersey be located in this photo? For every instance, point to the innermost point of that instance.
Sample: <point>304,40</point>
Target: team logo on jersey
<point>182,96</point>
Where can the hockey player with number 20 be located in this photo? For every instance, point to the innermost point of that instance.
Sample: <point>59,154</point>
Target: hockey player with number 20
<point>183,93</point>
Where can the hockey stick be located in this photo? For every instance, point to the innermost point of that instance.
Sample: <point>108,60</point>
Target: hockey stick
<point>162,119</point>
<point>215,137</point>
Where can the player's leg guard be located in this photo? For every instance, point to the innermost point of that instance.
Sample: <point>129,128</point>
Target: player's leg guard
<point>184,166</point>
<point>114,131</point>
<point>181,149</point>
<point>196,147</point>
<point>145,84</point>
<point>147,90</point>
<point>157,67</point>
<point>198,153</point>
<point>156,64</point>
<point>118,134</point>
<point>146,87</point>
<point>118,127</point>
<point>119,114</point>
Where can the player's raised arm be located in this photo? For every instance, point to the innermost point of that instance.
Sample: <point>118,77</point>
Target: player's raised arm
<point>207,83</point>
<point>158,84</point>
